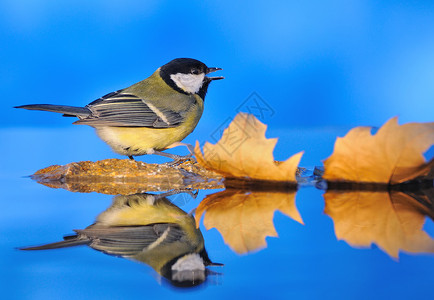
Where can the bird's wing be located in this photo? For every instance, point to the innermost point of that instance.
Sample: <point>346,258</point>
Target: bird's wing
<point>130,240</point>
<point>127,110</point>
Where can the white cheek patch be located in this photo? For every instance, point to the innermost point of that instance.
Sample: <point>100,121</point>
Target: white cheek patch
<point>191,83</point>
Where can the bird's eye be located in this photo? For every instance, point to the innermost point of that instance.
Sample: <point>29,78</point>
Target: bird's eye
<point>195,71</point>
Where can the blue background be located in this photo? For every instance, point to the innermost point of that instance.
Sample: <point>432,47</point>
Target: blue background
<point>320,67</point>
<point>315,63</point>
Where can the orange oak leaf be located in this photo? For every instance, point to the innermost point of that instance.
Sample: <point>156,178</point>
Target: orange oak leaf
<point>393,221</point>
<point>245,152</point>
<point>245,218</point>
<point>393,155</point>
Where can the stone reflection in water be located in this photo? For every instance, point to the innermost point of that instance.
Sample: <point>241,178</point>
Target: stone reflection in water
<point>392,220</point>
<point>245,218</point>
<point>150,229</point>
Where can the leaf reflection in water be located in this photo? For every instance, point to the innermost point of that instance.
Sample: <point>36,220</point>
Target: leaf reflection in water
<point>245,218</point>
<point>393,221</point>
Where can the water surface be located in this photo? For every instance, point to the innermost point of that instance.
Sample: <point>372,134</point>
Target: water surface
<point>304,261</point>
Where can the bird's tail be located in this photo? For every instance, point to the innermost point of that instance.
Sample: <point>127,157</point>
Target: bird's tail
<point>70,241</point>
<point>67,111</point>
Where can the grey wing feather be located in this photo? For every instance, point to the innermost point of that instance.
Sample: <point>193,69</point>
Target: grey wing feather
<point>64,109</point>
<point>127,110</point>
<point>69,241</point>
<point>130,240</point>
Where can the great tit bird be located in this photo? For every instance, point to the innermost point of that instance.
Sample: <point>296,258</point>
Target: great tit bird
<point>149,116</point>
<point>150,229</point>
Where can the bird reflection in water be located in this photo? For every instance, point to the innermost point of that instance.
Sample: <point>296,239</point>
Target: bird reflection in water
<point>147,228</point>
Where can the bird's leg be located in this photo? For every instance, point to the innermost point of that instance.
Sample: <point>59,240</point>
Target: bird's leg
<point>131,157</point>
<point>176,144</point>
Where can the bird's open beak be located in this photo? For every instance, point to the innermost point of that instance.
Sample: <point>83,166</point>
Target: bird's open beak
<point>210,70</point>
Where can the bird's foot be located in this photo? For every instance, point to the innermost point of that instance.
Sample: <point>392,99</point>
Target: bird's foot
<point>179,159</point>
<point>191,192</point>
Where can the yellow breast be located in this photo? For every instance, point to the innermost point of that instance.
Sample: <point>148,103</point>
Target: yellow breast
<point>143,140</point>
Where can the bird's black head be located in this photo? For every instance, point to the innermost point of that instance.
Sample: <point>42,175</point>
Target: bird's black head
<point>188,76</point>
